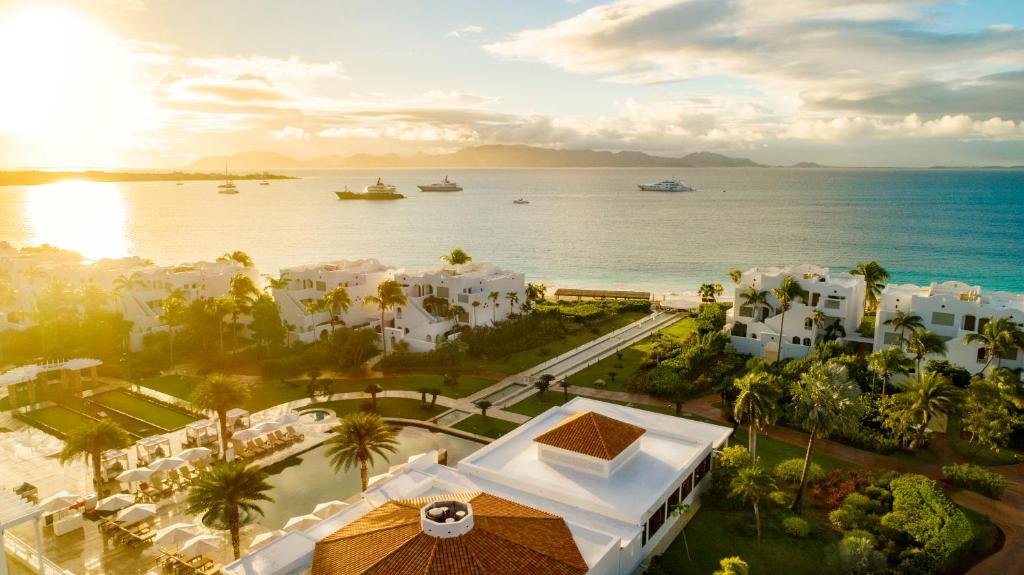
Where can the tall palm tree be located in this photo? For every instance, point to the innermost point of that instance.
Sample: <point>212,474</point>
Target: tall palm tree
<point>237,256</point>
<point>357,439</point>
<point>243,294</point>
<point>280,282</point>
<point>475,305</point>
<point>89,441</point>
<point>336,302</point>
<point>456,257</point>
<point>825,400</point>
<point>875,277</point>
<point>888,362</point>
<point>904,321</point>
<point>1000,338</point>
<point>753,483</point>
<point>736,276</point>
<point>228,495</point>
<point>493,296</point>
<point>219,393</point>
<point>513,299</point>
<point>172,314</point>
<point>928,396</point>
<point>456,312</point>
<point>219,308</point>
<point>789,289</point>
<point>756,404</point>
<point>389,295</point>
<point>756,300</point>
<point>923,343</point>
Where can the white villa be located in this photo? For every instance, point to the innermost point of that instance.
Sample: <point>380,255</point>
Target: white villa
<point>839,295</point>
<point>422,323</point>
<point>309,283</point>
<point>587,487</point>
<point>952,310</point>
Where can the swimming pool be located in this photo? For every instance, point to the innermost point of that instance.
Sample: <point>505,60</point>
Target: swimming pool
<point>311,479</point>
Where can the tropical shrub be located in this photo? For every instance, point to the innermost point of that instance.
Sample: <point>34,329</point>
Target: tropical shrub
<point>857,555</point>
<point>844,518</point>
<point>727,463</point>
<point>868,439</point>
<point>732,566</point>
<point>975,478</point>
<point>796,526</point>
<point>447,355</point>
<point>781,498</point>
<point>930,520</point>
<point>789,471</point>
<point>711,317</point>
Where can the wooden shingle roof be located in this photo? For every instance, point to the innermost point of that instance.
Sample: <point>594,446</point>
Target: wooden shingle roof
<point>506,539</point>
<point>592,434</point>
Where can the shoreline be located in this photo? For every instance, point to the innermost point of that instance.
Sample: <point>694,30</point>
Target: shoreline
<point>41,177</point>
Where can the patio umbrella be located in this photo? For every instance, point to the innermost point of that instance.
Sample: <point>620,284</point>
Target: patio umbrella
<point>302,522</point>
<point>195,454</point>
<point>115,502</point>
<point>245,434</point>
<point>137,474</point>
<point>264,538</point>
<point>166,464</point>
<point>288,418</point>
<point>176,534</point>
<point>136,513</point>
<point>266,427</point>
<point>199,545</point>
<point>60,500</point>
<point>329,508</point>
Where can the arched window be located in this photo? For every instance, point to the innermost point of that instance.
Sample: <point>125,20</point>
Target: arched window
<point>398,313</point>
<point>808,323</point>
<point>807,341</point>
<point>753,336</point>
<point>969,321</point>
<point>429,339</point>
<point>796,339</point>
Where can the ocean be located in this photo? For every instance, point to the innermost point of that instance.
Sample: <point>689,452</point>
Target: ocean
<point>586,228</point>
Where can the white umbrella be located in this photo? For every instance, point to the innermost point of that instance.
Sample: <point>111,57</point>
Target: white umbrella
<point>175,534</point>
<point>288,418</point>
<point>245,434</point>
<point>302,522</point>
<point>264,538</point>
<point>136,513</point>
<point>60,500</point>
<point>166,464</point>
<point>195,454</point>
<point>199,545</point>
<point>137,474</point>
<point>266,427</point>
<point>329,508</point>
<point>115,502</point>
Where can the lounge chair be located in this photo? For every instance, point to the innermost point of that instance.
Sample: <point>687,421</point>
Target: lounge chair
<point>282,438</point>
<point>262,445</point>
<point>296,435</point>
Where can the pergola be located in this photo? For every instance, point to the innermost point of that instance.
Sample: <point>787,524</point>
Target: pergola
<point>202,433</point>
<point>238,418</point>
<point>581,294</point>
<point>113,462</point>
<point>14,511</point>
<point>19,381</point>
<point>150,448</point>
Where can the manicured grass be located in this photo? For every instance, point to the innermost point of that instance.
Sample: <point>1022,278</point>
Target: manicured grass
<point>158,415</point>
<point>491,427</point>
<point>975,454</point>
<point>179,386</point>
<point>58,417</point>
<point>467,384</point>
<point>536,404</point>
<point>386,407</point>
<point>771,452</point>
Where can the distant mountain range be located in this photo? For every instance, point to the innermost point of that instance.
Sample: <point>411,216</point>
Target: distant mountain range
<point>496,156</point>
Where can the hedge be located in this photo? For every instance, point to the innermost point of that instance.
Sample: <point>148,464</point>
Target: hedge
<point>922,511</point>
<point>975,478</point>
<point>796,526</point>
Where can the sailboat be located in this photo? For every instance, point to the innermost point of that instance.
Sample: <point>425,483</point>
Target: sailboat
<point>228,187</point>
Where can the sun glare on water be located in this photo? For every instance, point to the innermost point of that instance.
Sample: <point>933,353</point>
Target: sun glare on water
<point>87,217</point>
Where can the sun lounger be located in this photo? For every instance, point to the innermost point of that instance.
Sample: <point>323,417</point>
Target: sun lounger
<point>297,436</point>
<point>283,437</point>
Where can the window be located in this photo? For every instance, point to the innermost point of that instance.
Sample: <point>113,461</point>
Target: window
<point>943,318</point>
<point>969,321</point>
<point>398,313</point>
<point>702,469</point>
<point>807,341</point>
<point>321,286</point>
<point>815,298</point>
<point>796,340</point>
<point>746,311</point>
<point>982,322</point>
<point>673,499</point>
<point>982,355</point>
<point>655,522</point>
<point>686,488</point>
<point>831,304</point>
<point>808,323</point>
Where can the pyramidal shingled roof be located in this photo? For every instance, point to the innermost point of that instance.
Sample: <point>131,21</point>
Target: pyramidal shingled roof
<point>592,434</point>
<point>506,539</point>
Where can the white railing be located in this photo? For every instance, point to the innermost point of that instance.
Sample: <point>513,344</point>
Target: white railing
<point>27,554</point>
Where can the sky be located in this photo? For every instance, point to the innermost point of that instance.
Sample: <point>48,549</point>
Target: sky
<point>160,83</point>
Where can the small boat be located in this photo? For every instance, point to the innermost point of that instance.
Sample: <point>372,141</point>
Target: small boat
<point>347,194</point>
<point>666,186</point>
<point>264,183</point>
<point>180,184</point>
<point>444,185</point>
<point>520,201</point>
<point>231,190</point>
<point>380,188</point>
<point>228,185</point>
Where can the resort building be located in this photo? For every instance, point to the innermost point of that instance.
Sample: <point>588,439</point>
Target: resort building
<point>587,487</point>
<point>953,310</point>
<point>308,284</point>
<point>441,299</point>
<point>755,329</point>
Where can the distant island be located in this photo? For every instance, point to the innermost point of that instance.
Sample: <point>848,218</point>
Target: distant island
<point>493,156</point>
<point>38,177</point>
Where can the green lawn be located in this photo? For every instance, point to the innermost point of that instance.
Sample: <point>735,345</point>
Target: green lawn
<point>537,404</point>
<point>58,417</point>
<point>165,417</point>
<point>179,386</point>
<point>386,407</point>
<point>975,454</point>
<point>467,384</point>
<point>491,427</point>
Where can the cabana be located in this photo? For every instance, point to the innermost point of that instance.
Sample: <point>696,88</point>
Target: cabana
<point>152,448</point>
<point>202,433</point>
<point>238,418</point>
<point>14,511</point>
<point>581,294</point>
<point>112,463</point>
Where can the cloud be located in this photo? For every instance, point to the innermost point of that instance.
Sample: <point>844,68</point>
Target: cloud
<point>912,126</point>
<point>466,31</point>
<point>289,133</point>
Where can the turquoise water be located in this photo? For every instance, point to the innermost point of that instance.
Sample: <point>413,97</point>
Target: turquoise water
<point>582,228</point>
<point>312,480</point>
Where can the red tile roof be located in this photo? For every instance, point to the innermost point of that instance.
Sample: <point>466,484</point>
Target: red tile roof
<point>592,434</point>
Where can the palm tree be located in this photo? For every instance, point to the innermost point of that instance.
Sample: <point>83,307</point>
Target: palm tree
<point>493,296</point>
<point>219,393</point>
<point>825,400</point>
<point>736,276</point>
<point>456,257</point>
<point>753,483</point>
<point>904,321</point>
<point>389,295</point>
<point>242,292</point>
<point>237,256</point>
<point>564,384</point>
<point>280,282</point>
<point>357,439</point>
<point>172,314</point>
<point>513,299</point>
<point>928,396</point>
<point>756,300</point>
<point>543,383</point>
<point>789,289</point>
<point>475,305</point>
<point>888,362</point>
<point>455,313</point>
<point>228,495</point>
<point>923,343</point>
<point>756,404</point>
<point>536,292</point>
<point>875,277</point>
<point>373,389</point>
<point>709,292</point>
<point>218,308</point>
<point>1000,338</point>
<point>336,301</point>
<point>89,441</point>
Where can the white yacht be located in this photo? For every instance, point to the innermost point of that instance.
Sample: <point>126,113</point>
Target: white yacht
<point>666,186</point>
<point>227,187</point>
<point>380,188</point>
<point>444,185</point>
